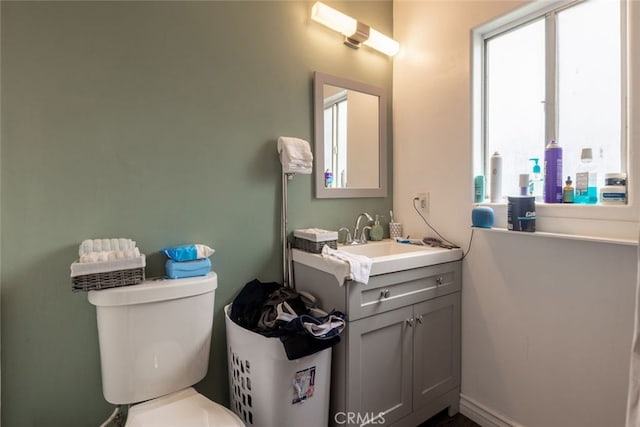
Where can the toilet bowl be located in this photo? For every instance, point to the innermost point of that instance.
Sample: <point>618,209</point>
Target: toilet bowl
<point>155,339</point>
<point>183,408</point>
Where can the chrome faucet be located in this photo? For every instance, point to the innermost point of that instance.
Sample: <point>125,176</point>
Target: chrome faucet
<point>347,239</point>
<point>359,236</point>
<point>363,235</point>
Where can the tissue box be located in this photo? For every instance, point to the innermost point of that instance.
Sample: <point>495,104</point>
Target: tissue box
<point>313,239</point>
<point>181,269</point>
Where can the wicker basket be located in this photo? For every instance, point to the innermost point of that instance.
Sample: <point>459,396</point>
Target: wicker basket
<point>313,247</point>
<point>313,239</point>
<point>108,274</point>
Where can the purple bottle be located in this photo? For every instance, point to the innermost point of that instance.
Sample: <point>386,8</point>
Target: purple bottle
<point>553,173</point>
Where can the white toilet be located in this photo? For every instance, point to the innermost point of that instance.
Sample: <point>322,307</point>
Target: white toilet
<point>154,345</point>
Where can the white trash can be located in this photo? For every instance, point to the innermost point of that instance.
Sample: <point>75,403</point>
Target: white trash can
<point>267,389</point>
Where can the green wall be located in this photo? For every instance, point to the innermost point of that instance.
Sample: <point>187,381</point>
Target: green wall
<point>155,121</point>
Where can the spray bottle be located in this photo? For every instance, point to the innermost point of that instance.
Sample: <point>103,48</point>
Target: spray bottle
<point>496,178</point>
<point>328,178</point>
<point>553,173</point>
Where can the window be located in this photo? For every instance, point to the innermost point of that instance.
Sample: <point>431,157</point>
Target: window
<point>335,131</point>
<point>553,74</point>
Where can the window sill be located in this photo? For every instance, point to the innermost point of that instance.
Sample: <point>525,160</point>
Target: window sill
<point>601,223</point>
<point>613,241</point>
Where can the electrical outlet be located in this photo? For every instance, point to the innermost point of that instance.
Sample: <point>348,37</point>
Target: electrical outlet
<point>423,200</point>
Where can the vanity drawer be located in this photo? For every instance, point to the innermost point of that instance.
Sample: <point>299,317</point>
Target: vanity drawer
<point>394,290</point>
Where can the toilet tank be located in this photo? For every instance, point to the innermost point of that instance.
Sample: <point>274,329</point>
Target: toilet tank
<point>154,337</point>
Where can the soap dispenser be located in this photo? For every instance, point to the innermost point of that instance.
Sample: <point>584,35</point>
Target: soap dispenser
<point>535,181</point>
<point>376,231</point>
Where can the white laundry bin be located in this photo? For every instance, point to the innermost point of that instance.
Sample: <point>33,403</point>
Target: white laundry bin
<point>267,389</point>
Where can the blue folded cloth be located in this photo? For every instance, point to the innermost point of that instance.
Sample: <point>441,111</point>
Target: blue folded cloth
<point>181,269</point>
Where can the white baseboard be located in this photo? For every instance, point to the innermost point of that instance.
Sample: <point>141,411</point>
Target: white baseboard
<point>483,415</point>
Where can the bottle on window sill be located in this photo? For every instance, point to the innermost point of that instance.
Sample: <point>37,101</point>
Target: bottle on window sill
<point>586,179</point>
<point>567,191</point>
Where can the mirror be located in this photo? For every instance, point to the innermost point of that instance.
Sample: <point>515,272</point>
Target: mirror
<point>350,138</point>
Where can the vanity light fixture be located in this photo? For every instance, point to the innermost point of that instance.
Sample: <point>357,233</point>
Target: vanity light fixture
<point>354,31</point>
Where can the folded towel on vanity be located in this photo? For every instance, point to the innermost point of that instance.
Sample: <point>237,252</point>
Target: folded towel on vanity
<point>295,155</point>
<point>358,266</point>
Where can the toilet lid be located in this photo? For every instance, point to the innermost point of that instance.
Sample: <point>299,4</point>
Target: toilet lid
<point>185,408</point>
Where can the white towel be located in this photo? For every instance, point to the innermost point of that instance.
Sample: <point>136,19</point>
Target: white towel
<point>105,245</point>
<point>358,266</point>
<point>295,155</point>
<point>109,255</point>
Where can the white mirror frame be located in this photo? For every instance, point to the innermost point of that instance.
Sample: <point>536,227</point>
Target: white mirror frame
<point>321,79</point>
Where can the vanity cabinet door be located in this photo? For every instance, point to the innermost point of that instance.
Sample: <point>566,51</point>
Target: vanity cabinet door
<point>379,366</point>
<point>436,348</point>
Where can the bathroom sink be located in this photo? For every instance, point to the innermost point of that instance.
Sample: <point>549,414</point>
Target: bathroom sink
<point>384,248</point>
<point>387,256</point>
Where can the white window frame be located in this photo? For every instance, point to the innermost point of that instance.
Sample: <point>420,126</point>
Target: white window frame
<point>616,222</point>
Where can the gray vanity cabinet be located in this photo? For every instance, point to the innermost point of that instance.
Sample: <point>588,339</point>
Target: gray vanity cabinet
<point>436,348</point>
<point>379,365</point>
<point>398,362</point>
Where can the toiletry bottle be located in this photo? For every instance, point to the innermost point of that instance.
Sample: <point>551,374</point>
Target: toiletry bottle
<point>614,191</point>
<point>524,183</point>
<point>496,178</point>
<point>328,178</point>
<point>586,179</point>
<point>553,173</point>
<point>567,191</point>
<point>536,182</point>
<point>376,231</point>
<point>478,189</point>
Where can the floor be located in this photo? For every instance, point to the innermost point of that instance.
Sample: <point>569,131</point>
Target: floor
<point>441,419</point>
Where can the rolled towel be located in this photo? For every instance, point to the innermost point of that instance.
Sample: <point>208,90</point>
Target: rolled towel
<point>124,244</point>
<point>85,247</point>
<point>89,249</point>
<point>109,255</point>
<point>89,257</point>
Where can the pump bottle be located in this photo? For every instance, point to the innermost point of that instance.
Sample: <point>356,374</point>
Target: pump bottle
<point>535,181</point>
<point>376,231</point>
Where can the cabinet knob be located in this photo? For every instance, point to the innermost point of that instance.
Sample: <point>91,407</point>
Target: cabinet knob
<point>410,322</point>
<point>419,319</point>
<point>439,281</point>
<point>385,293</point>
